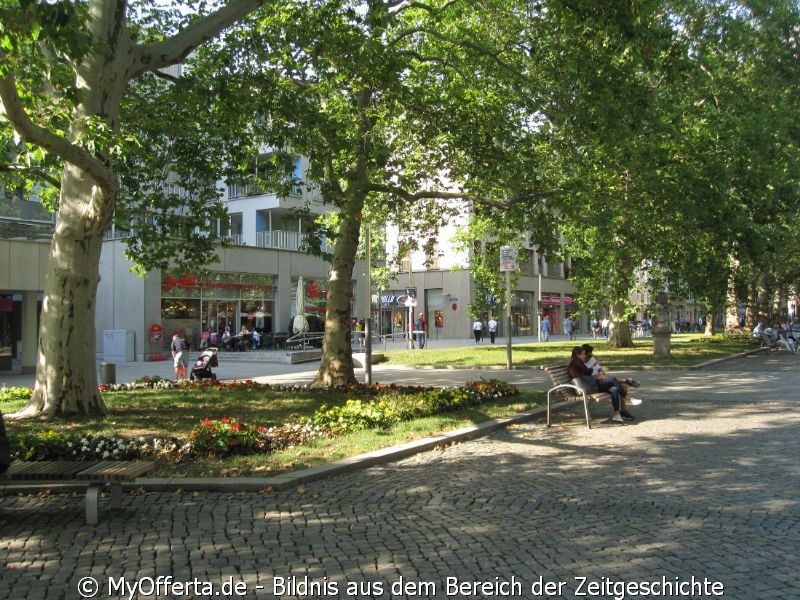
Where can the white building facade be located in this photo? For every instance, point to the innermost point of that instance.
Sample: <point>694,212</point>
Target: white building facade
<point>445,288</point>
<point>255,284</point>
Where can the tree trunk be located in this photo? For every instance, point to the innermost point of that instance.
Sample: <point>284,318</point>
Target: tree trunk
<point>66,377</point>
<point>752,315</point>
<point>661,332</point>
<point>732,304</point>
<point>710,325</point>
<point>619,332</point>
<point>336,367</point>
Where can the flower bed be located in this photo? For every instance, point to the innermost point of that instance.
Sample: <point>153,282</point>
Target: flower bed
<point>366,407</point>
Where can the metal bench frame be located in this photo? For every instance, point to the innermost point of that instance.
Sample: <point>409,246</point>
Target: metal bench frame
<point>569,392</point>
<point>95,475</point>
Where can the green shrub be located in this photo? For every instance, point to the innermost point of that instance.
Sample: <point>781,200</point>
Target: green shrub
<point>10,394</point>
<point>354,415</point>
<point>228,436</point>
<point>407,404</point>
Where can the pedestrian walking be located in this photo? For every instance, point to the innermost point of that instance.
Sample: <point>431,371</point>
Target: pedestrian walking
<point>420,327</point>
<point>477,330</point>
<point>180,356</point>
<point>545,328</point>
<point>492,329</point>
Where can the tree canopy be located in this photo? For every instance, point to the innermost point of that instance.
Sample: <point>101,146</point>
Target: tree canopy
<point>660,137</point>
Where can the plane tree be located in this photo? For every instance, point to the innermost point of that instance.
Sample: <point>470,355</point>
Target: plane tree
<point>405,109</point>
<point>736,153</point>
<point>66,71</point>
<point>694,161</point>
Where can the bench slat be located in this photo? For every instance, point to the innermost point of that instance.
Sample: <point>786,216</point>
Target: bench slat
<point>116,470</point>
<point>92,474</point>
<point>559,375</point>
<point>45,470</point>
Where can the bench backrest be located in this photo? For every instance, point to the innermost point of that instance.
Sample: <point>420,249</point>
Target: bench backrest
<point>559,375</point>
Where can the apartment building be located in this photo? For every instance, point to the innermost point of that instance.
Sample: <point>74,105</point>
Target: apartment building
<point>444,289</point>
<point>255,283</point>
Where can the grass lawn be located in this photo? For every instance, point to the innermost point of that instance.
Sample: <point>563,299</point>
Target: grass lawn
<point>163,413</point>
<point>175,412</point>
<point>687,350</point>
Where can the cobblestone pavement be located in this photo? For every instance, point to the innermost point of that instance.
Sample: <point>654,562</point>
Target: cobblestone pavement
<point>698,499</point>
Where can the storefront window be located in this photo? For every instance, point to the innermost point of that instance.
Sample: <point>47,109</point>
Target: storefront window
<point>522,314</point>
<point>223,286</point>
<point>221,301</point>
<point>7,327</point>
<point>394,313</point>
<point>174,308</point>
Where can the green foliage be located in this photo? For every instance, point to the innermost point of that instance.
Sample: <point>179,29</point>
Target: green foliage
<point>229,436</point>
<point>403,404</point>
<point>355,415</point>
<point>11,394</point>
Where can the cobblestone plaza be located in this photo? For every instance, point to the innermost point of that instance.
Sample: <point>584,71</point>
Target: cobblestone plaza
<point>697,499</point>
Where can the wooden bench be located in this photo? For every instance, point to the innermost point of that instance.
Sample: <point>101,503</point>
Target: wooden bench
<point>94,475</point>
<point>564,386</point>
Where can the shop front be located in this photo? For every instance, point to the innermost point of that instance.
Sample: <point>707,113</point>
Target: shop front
<point>395,313</point>
<point>223,301</point>
<point>556,307</point>
<point>315,294</point>
<point>10,329</point>
<point>523,318</point>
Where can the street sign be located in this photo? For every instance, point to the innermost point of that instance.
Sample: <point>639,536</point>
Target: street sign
<point>508,259</point>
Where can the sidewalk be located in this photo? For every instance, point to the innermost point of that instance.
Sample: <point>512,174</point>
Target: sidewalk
<point>701,488</point>
<point>263,366</point>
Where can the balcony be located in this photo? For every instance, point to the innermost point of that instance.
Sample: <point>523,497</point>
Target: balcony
<point>237,191</point>
<point>285,240</point>
<point>26,229</point>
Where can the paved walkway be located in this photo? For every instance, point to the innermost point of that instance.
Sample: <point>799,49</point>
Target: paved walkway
<point>698,497</point>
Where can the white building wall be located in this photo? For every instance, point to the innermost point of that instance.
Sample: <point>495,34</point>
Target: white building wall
<point>128,302</point>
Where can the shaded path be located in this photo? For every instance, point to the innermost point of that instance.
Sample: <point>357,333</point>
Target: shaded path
<point>704,485</point>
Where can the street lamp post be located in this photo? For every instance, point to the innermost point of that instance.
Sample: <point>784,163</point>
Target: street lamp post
<point>368,320</point>
<point>508,264</point>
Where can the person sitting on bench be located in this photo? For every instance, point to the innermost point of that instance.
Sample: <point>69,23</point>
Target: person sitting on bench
<point>600,372</point>
<point>583,377</point>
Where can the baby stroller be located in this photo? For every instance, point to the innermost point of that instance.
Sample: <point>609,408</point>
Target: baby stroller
<point>203,364</point>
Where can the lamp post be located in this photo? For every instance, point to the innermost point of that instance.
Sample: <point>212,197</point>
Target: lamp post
<point>508,264</point>
<point>368,320</point>
<point>539,307</point>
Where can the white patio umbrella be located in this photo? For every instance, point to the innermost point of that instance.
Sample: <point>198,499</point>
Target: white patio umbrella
<point>300,323</point>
